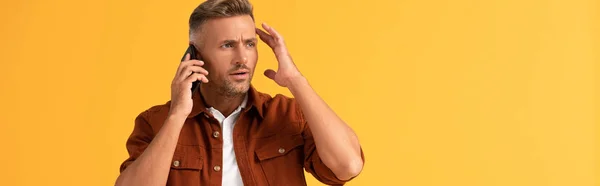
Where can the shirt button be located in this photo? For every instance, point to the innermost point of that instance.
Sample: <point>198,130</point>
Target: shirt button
<point>217,168</point>
<point>176,163</point>
<point>281,150</point>
<point>216,134</point>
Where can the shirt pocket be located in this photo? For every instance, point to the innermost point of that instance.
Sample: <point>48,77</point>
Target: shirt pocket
<point>186,166</point>
<point>282,159</point>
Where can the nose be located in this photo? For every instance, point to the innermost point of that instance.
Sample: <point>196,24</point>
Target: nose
<point>241,57</point>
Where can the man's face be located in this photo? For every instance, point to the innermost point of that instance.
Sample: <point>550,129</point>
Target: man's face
<point>228,48</point>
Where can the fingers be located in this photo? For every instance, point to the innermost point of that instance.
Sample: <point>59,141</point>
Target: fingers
<point>189,70</point>
<point>265,37</point>
<point>270,74</point>
<point>276,36</point>
<point>272,38</point>
<point>195,77</point>
<point>187,57</point>
<point>186,63</point>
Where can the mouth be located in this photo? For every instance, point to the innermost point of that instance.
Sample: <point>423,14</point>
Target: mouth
<point>240,74</point>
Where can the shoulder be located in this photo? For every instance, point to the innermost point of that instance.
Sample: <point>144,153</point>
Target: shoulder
<point>155,115</point>
<point>281,115</point>
<point>282,106</point>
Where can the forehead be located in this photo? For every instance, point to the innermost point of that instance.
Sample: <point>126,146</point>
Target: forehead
<point>235,28</point>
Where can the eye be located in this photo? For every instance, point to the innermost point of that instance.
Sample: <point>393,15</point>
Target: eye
<point>251,44</point>
<point>227,45</point>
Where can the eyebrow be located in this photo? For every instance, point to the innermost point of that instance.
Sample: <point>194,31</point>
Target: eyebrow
<point>235,41</point>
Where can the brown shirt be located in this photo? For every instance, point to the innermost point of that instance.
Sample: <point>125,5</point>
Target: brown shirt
<point>271,140</point>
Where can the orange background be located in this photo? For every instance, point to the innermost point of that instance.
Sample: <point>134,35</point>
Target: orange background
<point>463,92</point>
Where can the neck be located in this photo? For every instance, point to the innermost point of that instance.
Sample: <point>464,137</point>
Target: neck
<point>225,104</point>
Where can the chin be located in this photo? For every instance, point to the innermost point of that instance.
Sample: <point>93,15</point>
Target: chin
<point>243,88</point>
<point>239,88</point>
<point>235,88</point>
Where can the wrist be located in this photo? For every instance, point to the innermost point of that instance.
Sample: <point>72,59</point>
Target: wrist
<point>175,112</point>
<point>297,82</point>
<point>175,119</point>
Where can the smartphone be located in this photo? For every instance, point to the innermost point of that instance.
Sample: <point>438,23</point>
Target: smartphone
<point>193,55</point>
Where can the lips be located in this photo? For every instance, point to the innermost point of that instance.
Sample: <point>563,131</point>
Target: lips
<point>240,75</point>
<point>239,72</point>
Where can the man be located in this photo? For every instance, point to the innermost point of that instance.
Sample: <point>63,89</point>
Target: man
<point>227,133</point>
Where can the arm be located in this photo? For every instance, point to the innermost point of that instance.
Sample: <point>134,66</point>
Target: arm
<point>152,166</point>
<point>336,142</point>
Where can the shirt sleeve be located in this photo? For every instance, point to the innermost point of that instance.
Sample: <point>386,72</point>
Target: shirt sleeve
<point>313,163</point>
<point>139,139</point>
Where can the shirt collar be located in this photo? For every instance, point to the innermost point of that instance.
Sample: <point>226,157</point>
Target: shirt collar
<point>253,97</point>
<point>242,106</point>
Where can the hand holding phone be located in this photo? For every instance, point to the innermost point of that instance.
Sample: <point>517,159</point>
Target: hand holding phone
<point>193,55</point>
<point>186,81</point>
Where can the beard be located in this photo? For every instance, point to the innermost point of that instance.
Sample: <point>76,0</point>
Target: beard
<point>229,88</point>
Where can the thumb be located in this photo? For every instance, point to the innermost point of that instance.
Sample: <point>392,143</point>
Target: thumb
<point>270,74</point>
